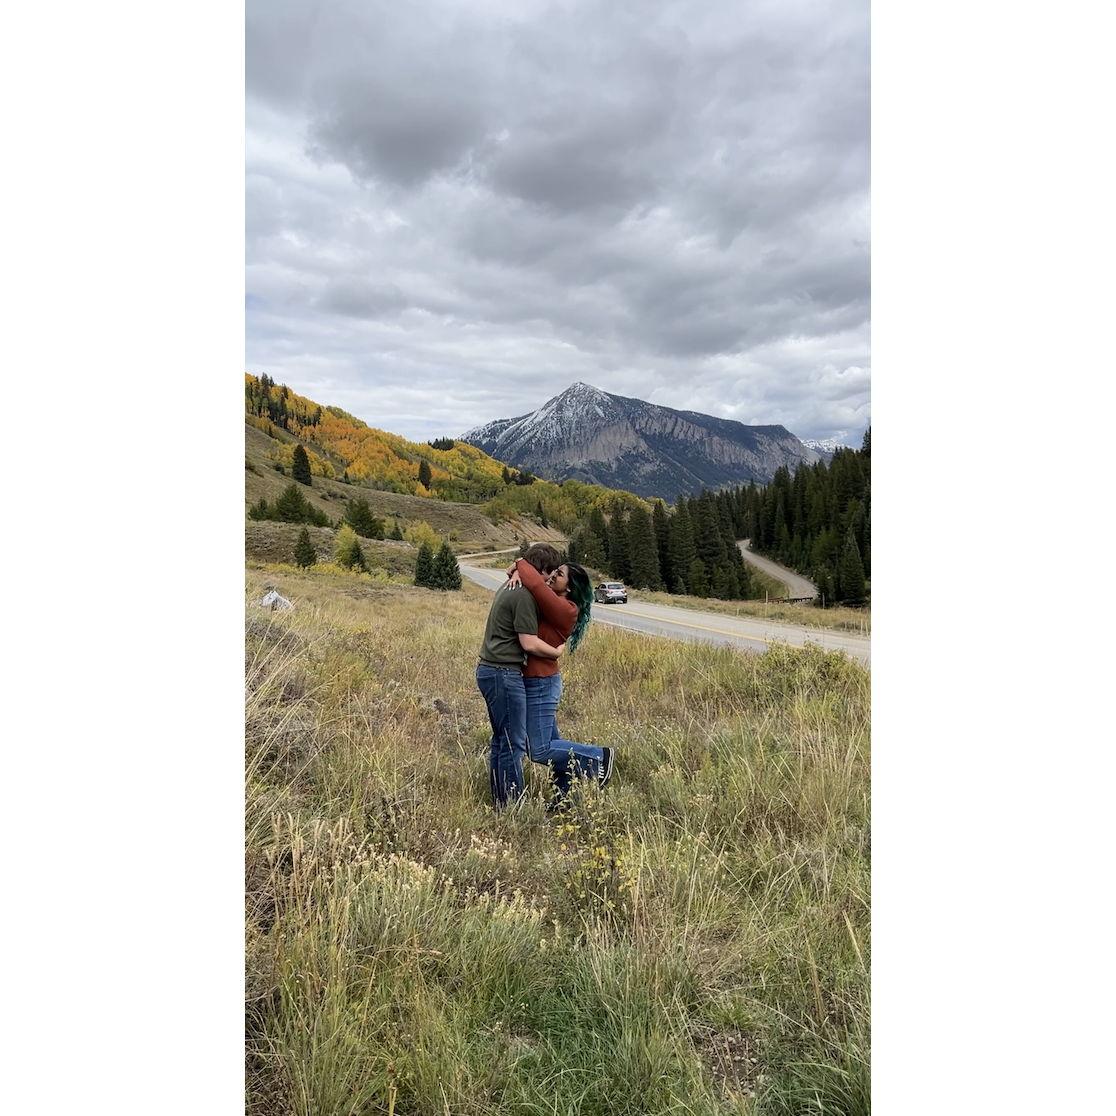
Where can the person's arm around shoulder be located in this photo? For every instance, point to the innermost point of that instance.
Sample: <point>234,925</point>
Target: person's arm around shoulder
<point>525,621</point>
<point>557,610</point>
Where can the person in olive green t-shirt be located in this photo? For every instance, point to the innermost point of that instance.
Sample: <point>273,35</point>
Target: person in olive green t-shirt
<point>511,615</point>
<point>510,632</point>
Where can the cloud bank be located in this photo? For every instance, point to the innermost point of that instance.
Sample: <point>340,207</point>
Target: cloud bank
<point>454,210</point>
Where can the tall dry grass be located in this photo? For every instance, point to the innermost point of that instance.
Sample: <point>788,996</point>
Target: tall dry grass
<point>693,940</point>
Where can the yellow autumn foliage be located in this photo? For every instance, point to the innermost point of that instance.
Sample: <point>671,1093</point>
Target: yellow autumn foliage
<point>419,532</point>
<point>383,460</point>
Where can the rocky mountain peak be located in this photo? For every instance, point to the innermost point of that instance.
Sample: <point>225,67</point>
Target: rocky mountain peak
<point>579,390</point>
<point>585,433</point>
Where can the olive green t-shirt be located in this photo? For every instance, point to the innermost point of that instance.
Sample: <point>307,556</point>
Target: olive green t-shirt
<point>513,612</point>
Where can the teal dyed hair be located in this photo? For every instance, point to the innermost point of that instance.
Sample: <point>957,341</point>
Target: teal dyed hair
<point>580,592</point>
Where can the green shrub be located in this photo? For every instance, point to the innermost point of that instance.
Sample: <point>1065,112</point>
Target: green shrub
<point>346,549</point>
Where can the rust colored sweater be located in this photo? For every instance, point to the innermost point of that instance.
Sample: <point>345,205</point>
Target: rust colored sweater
<point>557,616</point>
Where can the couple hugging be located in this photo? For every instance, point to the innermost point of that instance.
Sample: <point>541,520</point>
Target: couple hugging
<point>541,613</point>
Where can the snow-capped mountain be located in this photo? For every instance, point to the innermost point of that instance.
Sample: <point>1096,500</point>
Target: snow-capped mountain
<point>827,447</point>
<point>591,435</point>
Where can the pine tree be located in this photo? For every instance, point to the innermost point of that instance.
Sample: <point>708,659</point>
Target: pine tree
<point>593,555</point>
<point>744,581</point>
<point>260,510</point>
<point>424,567</point>
<point>797,517</point>
<point>598,526</point>
<point>424,474</point>
<point>300,466</point>
<point>850,573</point>
<point>359,516</point>
<point>857,523</point>
<point>506,475</point>
<point>594,541</point>
<point>618,553</point>
<point>396,532</point>
<point>698,581</point>
<point>660,522</point>
<point>292,506</point>
<point>751,515</point>
<point>643,557</point>
<point>305,555</point>
<point>823,578</point>
<point>540,513</point>
<point>683,551</point>
<point>732,582</point>
<point>782,533</point>
<point>445,574</point>
<point>844,477</point>
<point>591,542</point>
<point>723,505</point>
<point>722,587</point>
<point>866,550</point>
<point>707,533</point>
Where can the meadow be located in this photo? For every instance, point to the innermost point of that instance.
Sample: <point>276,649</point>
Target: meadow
<point>692,940</point>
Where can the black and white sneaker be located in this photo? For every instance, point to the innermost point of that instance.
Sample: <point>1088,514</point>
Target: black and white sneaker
<point>607,765</point>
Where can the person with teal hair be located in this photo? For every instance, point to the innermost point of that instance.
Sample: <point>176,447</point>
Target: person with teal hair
<point>565,604</point>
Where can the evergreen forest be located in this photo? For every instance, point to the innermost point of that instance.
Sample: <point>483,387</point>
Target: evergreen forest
<point>816,521</point>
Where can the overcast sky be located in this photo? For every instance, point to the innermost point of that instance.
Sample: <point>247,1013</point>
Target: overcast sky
<point>457,209</point>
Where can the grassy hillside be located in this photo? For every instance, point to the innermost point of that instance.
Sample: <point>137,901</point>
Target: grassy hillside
<point>466,526</point>
<point>266,542</point>
<point>342,446</point>
<point>695,940</point>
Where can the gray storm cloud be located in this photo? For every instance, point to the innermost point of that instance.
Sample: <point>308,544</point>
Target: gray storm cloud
<point>455,210</point>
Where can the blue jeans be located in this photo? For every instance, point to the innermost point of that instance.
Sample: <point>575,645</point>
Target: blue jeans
<point>566,758</point>
<point>503,693</point>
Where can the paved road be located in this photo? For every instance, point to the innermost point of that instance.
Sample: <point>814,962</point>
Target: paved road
<point>489,554</point>
<point>797,585</point>
<point>708,627</point>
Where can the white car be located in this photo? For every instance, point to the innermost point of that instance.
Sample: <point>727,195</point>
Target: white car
<point>611,592</point>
